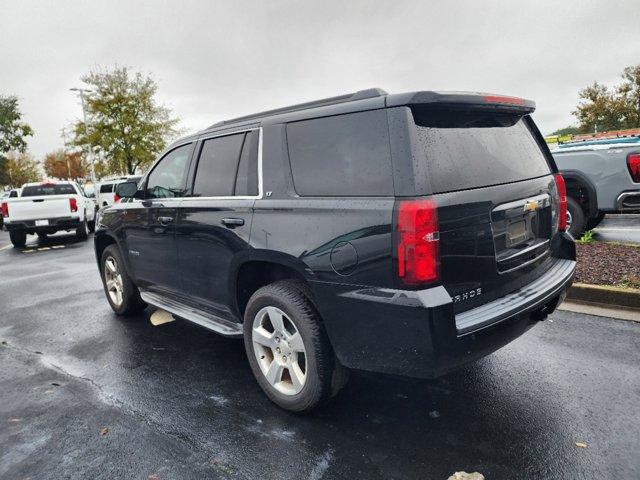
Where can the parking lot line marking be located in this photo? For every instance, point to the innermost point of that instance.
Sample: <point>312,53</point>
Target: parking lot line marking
<point>607,229</point>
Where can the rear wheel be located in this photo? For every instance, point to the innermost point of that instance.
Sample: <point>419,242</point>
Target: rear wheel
<point>92,225</point>
<point>122,294</point>
<point>82,232</point>
<point>576,220</point>
<point>18,238</point>
<point>594,222</point>
<point>288,350</point>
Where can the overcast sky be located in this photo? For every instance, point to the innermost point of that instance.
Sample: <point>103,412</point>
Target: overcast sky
<point>216,60</point>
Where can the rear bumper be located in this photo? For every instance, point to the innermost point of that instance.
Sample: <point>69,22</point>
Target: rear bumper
<point>60,223</point>
<point>417,334</point>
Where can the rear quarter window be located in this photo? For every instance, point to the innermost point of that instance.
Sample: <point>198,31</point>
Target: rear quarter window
<point>345,155</point>
<point>106,188</point>
<point>475,149</point>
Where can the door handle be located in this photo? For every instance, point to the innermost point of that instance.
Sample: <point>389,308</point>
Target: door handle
<point>233,222</point>
<point>165,220</point>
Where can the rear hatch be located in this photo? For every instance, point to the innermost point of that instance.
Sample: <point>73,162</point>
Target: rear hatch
<point>496,198</point>
<point>40,202</point>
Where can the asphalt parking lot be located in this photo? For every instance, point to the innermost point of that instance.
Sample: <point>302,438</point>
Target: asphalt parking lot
<point>88,395</point>
<point>619,228</point>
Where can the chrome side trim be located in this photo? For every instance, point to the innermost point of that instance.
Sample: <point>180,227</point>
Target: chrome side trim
<point>260,173</point>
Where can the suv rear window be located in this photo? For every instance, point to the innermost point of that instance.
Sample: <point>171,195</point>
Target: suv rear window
<point>48,189</point>
<point>345,155</point>
<point>476,149</point>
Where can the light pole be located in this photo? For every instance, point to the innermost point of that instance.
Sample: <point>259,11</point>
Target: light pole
<point>82,91</point>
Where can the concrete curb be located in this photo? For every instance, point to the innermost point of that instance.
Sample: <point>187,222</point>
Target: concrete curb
<point>605,295</point>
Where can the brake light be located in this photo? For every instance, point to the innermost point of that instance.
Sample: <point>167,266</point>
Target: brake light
<point>116,198</point>
<point>73,204</point>
<point>633,164</point>
<point>417,241</point>
<point>562,202</point>
<point>503,99</point>
<point>5,209</point>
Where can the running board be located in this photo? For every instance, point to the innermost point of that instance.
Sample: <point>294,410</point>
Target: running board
<point>204,319</point>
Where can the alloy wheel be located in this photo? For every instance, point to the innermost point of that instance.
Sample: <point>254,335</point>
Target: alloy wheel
<point>113,280</point>
<point>279,350</point>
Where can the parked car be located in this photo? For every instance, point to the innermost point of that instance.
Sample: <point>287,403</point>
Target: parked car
<point>602,176</point>
<point>407,234</point>
<point>46,208</point>
<point>106,193</point>
<point>8,194</point>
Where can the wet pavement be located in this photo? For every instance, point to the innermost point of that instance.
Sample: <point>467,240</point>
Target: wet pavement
<point>623,228</point>
<point>179,402</point>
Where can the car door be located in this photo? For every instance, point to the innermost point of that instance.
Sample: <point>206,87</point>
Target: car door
<point>149,224</point>
<point>214,220</point>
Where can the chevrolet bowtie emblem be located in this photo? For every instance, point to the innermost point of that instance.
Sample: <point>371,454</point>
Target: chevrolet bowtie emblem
<point>531,206</point>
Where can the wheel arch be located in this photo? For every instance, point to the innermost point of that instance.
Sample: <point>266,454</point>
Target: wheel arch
<point>257,268</point>
<point>578,184</point>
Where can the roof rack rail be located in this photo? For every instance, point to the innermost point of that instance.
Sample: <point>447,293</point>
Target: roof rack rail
<point>350,97</point>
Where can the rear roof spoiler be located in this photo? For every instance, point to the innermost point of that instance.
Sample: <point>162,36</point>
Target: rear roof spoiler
<point>473,99</point>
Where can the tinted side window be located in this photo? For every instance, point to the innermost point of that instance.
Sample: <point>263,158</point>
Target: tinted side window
<point>218,166</point>
<point>106,188</point>
<point>247,179</point>
<point>345,155</point>
<point>168,177</point>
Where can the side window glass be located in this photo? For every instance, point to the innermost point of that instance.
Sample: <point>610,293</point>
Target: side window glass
<point>218,166</point>
<point>247,179</point>
<point>167,180</point>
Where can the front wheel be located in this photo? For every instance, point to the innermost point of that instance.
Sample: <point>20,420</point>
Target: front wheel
<point>288,349</point>
<point>122,294</point>
<point>18,238</point>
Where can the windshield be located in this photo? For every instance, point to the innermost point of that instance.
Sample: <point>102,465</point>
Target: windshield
<point>48,189</point>
<point>476,149</point>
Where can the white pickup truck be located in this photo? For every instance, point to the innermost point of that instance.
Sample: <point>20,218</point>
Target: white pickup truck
<point>46,208</point>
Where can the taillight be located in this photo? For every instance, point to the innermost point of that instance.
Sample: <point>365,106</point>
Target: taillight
<point>5,209</point>
<point>562,202</point>
<point>417,241</point>
<point>633,164</point>
<point>116,198</point>
<point>73,204</point>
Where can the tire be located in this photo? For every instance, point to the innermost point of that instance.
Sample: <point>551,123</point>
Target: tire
<point>594,222</point>
<point>577,216</point>
<point>92,225</point>
<point>18,238</point>
<point>82,232</point>
<point>130,302</point>
<point>319,362</point>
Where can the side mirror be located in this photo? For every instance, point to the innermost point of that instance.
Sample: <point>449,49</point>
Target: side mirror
<point>127,189</point>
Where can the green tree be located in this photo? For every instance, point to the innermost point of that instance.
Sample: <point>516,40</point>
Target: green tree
<point>602,108</point>
<point>13,133</point>
<point>629,91</point>
<point>126,124</point>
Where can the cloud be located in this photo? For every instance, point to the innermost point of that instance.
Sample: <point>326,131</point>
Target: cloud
<point>216,60</point>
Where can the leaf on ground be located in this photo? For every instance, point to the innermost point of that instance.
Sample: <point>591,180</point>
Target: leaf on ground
<point>466,476</point>
<point>581,445</point>
<point>104,431</point>
<point>15,419</point>
<point>153,476</point>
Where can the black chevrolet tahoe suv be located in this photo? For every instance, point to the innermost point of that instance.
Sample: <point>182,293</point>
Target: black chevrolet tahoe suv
<point>400,233</point>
